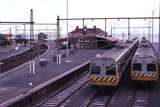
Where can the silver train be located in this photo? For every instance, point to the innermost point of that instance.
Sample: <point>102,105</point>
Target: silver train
<point>106,69</point>
<point>144,64</point>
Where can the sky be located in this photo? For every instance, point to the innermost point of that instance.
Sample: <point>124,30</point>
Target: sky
<point>46,11</point>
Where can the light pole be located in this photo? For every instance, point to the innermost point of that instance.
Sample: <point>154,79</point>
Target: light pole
<point>159,25</point>
<point>67,60</point>
<point>114,25</point>
<point>32,63</point>
<point>152,25</point>
<point>128,29</point>
<point>149,27</point>
<point>24,31</point>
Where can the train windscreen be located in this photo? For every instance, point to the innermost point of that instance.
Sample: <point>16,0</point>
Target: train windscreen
<point>137,67</point>
<point>111,70</point>
<point>95,69</point>
<point>151,67</point>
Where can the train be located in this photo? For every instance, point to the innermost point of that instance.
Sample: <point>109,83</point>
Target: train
<point>107,68</point>
<point>42,38</point>
<point>144,64</point>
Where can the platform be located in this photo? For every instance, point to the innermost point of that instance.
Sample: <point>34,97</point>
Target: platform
<point>13,53</point>
<point>19,80</point>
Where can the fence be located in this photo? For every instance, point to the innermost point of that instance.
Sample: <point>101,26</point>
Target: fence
<point>4,49</point>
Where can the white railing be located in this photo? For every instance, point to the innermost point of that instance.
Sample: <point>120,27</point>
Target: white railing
<point>4,49</point>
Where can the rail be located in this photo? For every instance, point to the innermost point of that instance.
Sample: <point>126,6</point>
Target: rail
<point>33,95</point>
<point>16,60</point>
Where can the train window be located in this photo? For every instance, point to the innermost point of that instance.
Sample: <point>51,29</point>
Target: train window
<point>151,67</point>
<point>137,66</point>
<point>110,70</point>
<point>95,70</point>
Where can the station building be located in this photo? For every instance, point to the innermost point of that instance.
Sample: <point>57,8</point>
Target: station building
<point>90,38</point>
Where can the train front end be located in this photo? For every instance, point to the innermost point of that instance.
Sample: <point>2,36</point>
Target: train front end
<point>103,72</point>
<point>144,68</point>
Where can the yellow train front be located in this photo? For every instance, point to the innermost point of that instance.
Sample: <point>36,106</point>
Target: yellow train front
<point>103,72</point>
<point>144,65</point>
<point>106,69</point>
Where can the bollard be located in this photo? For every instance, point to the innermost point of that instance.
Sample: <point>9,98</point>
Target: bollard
<point>43,62</point>
<point>59,57</point>
<point>1,63</point>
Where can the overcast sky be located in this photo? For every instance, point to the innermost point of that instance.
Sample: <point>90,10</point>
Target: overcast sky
<point>47,10</point>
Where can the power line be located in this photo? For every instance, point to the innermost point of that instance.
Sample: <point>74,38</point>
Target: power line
<point>109,18</point>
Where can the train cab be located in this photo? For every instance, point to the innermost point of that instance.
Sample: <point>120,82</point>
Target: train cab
<point>103,72</point>
<point>144,68</point>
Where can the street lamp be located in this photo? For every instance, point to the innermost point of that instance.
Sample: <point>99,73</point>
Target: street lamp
<point>67,60</point>
<point>32,63</point>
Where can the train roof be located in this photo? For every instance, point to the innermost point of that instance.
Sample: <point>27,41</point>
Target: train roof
<point>145,48</point>
<point>116,52</point>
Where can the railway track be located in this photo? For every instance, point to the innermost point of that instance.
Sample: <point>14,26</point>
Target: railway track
<point>73,89</point>
<point>63,94</point>
<point>141,96</point>
<point>14,61</point>
<point>101,99</point>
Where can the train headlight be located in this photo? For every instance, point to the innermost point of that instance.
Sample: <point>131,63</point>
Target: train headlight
<point>98,55</point>
<point>16,48</point>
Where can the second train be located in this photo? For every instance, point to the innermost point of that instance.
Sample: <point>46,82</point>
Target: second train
<point>144,64</point>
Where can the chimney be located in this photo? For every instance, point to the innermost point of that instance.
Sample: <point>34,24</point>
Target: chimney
<point>77,27</point>
<point>94,27</point>
<point>85,28</point>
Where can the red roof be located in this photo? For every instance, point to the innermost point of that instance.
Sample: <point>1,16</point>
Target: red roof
<point>85,31</point>
<point>61,40</point>
<point>91,31</point>
<point>7,36</point>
